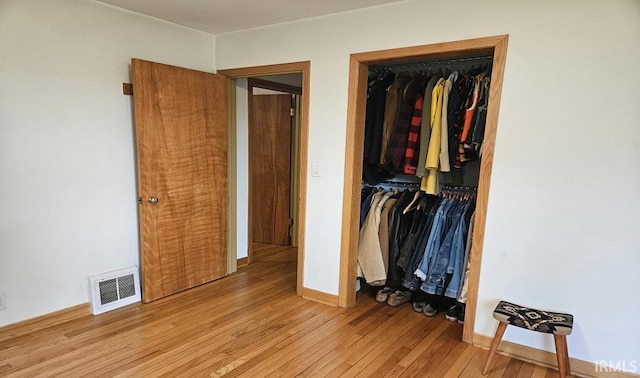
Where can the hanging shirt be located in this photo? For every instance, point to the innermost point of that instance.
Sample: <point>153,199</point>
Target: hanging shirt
<point>444,135</point>
<point>413,141</point>
<point>398,142</point>
<point>428,184</point>
<point>391,106</point>
<point>468,116</point>
<point>370,263</point>
<point>425,129</point>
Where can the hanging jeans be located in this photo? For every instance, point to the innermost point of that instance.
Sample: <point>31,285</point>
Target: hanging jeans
<point>456,265</point>
<point>435,237</point>
<point>412,282</point>
<point>435,278</point>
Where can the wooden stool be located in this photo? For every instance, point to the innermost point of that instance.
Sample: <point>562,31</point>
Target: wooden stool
<point>560,325</point>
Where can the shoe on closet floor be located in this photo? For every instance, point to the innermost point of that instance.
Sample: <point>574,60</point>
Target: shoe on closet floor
<point>430,310</point>
<point>419,304</point>
<point>461,317</point>
<point>454,312</point>
<point>383,294</point>
<point>399,297</point>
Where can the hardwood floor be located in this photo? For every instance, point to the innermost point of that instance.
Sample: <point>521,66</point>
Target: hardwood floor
<point>250,324</point>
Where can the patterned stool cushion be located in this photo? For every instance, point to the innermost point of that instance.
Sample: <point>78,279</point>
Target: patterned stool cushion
<point>534,320</point>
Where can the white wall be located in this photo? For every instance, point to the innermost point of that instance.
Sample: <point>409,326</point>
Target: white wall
<point>67,179</point>
<point>242,167</point>
<point>562,224</point>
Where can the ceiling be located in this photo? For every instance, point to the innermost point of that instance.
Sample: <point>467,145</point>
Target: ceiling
<point>222,16</point>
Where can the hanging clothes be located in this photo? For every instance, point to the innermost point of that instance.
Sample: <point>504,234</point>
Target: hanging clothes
<point>396,149</point>
<point>370,263</point>
<point>374,125</point>
<point>433,152</point>
<point>425,129</point>
<point>392,104</point>
<point>413,140</point>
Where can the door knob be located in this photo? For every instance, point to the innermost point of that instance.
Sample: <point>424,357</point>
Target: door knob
<point>152,199</point>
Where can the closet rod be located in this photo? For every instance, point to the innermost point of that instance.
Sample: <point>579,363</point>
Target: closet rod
<point>451,188</point>
<point>399,184</point>
<point>427,64</point>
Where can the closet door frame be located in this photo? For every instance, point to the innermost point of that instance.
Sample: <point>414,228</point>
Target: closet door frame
<point>358,70</point>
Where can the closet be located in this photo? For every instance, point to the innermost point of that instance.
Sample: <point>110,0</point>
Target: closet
<point>477,55</point>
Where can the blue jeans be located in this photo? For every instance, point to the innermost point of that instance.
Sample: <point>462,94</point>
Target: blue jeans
<point>456,257</point>
<point>434,282</point>
<point>435,237</point>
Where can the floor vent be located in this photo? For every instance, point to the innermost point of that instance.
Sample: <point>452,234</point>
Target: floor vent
<point>115,289</point>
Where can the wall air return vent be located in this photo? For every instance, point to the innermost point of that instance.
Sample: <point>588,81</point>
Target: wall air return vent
<point>115,289</point>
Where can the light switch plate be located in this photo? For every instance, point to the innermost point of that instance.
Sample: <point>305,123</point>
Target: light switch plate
<point>315,170</point>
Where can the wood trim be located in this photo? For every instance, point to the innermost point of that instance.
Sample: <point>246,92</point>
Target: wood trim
<point>320,297</point>
<point>250,147</point>
<point>546,359</point>
<point>443,50</point>
<point>352,176</point>
<point>243,261</point>
<point>486,166</point>
<point>271,69</point>
<point>274,86</point>
<point>302,183</point>
<point>305,69</point>
<point>127,89</point>
<point>354,147</point>
<point>296,167</point>
<point>45,321</point>
<point>232,182</point>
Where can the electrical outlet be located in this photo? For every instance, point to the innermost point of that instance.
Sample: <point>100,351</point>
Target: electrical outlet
<point>3,300</point>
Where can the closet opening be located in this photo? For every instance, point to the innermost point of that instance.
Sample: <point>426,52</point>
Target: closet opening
<point>386,159</point>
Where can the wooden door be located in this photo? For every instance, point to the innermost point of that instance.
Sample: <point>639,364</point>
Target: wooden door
<point>270,143</point>
<point>181,150</point>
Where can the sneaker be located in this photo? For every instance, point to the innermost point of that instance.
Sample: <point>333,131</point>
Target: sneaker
<point>461,316</point>
<point>454,312</point>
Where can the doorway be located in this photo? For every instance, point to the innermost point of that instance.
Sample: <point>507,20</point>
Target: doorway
<point>273,130</point>
<point>275,78</point>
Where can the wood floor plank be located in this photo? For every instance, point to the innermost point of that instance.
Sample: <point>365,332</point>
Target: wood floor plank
<point>461,362</point>
<point>300,364</point>
<point>250,323</point>
<point>539,372</point>
<point>247,334</point>
<point>448,361</point>
<point>432,356</point>
<point>254,354</point>
<point>499,366</point>
<point>329,361</point>
<point>475,365</point>
<point>513,368</point>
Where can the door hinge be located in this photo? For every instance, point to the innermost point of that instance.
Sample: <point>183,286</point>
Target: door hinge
<point>293,112</point>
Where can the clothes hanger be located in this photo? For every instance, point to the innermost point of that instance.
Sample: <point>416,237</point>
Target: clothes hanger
<point>413,201</point>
